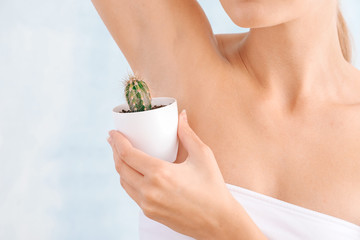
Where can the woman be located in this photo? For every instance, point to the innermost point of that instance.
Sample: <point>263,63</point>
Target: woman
<point>274,140</point>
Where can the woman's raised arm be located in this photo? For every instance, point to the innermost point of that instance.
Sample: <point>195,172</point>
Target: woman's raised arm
<point>161,39</point>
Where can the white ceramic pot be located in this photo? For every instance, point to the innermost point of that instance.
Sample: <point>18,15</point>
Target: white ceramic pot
<point>152,131</point>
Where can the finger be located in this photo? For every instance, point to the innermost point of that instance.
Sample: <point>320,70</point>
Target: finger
<point>135,158</point>
<point>117,162</point>
<point>130,175</point>
<point>116,158</point>
<point>131,191</point>
<point>191,142</point>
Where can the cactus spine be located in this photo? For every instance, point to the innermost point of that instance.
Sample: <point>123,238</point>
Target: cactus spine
<point>137,94</point>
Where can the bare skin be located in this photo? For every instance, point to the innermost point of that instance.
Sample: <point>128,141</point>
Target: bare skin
<point>308,156</point>
<point>279,107</point>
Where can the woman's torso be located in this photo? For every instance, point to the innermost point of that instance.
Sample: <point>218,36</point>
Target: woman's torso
<point>310,159</point>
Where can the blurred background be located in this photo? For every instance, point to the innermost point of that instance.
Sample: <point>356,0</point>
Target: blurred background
<point>60,74</point>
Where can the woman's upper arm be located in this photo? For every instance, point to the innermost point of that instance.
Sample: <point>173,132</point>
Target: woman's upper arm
<point>161,39</point>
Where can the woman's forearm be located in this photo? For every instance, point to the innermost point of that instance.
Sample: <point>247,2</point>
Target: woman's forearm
<point>235,224</point>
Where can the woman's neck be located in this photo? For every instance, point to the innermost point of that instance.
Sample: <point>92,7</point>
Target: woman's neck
<point>298,60</point>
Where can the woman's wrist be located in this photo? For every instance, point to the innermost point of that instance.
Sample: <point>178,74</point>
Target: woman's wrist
<point>233,223</point>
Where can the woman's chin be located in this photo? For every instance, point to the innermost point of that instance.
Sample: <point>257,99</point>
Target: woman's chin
<point>256,14</point>
<point>253,22</point>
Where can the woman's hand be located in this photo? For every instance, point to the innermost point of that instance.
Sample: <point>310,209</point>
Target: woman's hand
<point>190,197</point>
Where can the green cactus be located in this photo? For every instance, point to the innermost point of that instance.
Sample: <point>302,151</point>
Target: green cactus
<point>137,94</point>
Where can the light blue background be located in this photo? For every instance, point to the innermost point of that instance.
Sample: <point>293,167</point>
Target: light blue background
<point>60,74</point>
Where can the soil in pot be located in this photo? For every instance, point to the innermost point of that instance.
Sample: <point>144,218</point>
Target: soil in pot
<point>152,107</point>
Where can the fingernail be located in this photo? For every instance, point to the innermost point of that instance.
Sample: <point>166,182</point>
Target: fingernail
<point>111,132</point>
<point>183,114</point>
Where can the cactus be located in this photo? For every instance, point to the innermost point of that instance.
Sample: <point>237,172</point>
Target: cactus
<point>137,94</point>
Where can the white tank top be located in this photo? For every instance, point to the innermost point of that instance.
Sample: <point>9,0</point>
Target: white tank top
<point>276,219</point>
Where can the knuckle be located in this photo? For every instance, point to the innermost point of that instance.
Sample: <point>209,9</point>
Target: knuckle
<point>149,196</point>
<point>205,149</point>
<point>189,132</point>
<point>161,174</point>
<point>122,182</point>
<point>117,167</point>
<point>148,203</point>
<point>164,173</point>
<point>149,211</point>
<point>125,153</point>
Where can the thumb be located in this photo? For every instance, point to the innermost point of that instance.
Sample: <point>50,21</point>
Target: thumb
<point>191,142</point>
